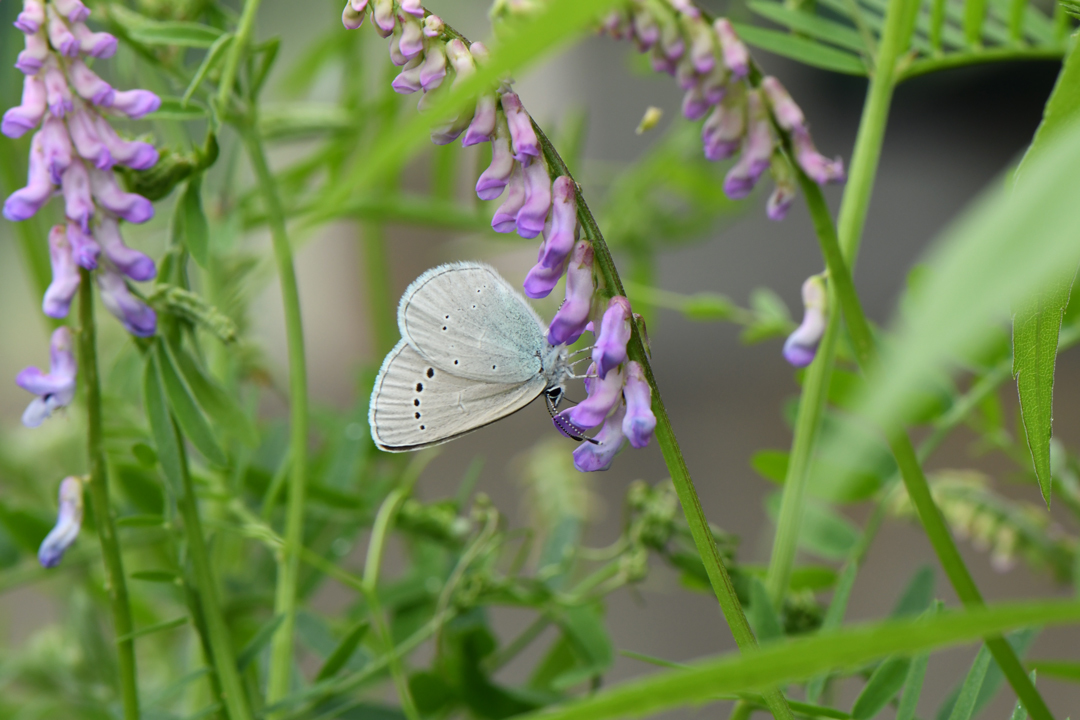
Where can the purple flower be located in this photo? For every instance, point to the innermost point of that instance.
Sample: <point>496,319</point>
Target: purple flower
<point>137,317</point>
<point>32,16</point>
<point>130,153</point>
<point>411,39</point>
<point>531,217</point>
<point>23,118</point>
<point>433,26</point>
<point>450,131</point>
<point>784,193</point>
<point>604,394</point>
<point>352,18</point>
<point>701,46</point>
<point>646,30</point>
<point>610,348</point>
<point>84,249</point>
<point>408,80</point>
<point>57,93</point>
<point>596,457</point>
<point>819,168</point>
<point>694,104</point>
<point>714,86</point>
<point>68,522</point>
<point>412,7</point>
<point>492,181</point>
<point>541,280</point>
<point>736,55</point>
<point>505,218</point>
<point>671,42</point>
<point>723,130</point>
<point>94,44</point>
<point>522,136</point>
<point>660,62</point>
<point>482,127</point>
<point>33,57</point>
<point>65,275</point>
<point>60,36</point>
<point>801,345</point>
<point>55,389</point>
<point>639,423</point>
<point>559,238</point>
<point>133,208</point>
<point>56,145</point>
<point>89,86</point>
<point>86,140</point>
<point>75,184</point>
<point>570,321</point>
<point>433,69</point>
<point>756,153</point>
<point>73,10</point>
<point>132,263</point>
<point>24,203</point>
<point>382,14</point>
<point>460,59</point>
<point>135,103</point>
<point>788,115</point>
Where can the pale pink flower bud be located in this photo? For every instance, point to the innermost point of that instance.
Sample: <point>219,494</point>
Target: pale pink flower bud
<point>68,523</point>
<point>382,14</point>
<point>89,86</point>
<point>129,153</point>
<point>646,30</point>
<point>694,105</point>
<point>23,118</point>
<point>756,153</point>
<point>60,36</point>
<point>736,56</point>
<point>801,346</point>
<point>65,275</point>
<point>522,135</point>
<point>479,52</point>
<point>702,46</point>
<point>134,264</point>
<point>33,57</point>
<point>86,140</point>
<point>639,423</point>
<point>54,389</point>
<point>359,5</point>
<point>570,321</point>
<point>32,17</point>
<point>352,18</point>
<point>412,7</point>
<point>433,70</point>
<point>135,103</point>
<point>73,10</point>
<point>56,145</point>
<point>784,193</point>
<point>24,203</point>
<point>131,207</point>
<point>460,59</point>
<point>497,175</point>
<point>57,94</point>
<point>84,249</point>
<point>598,456</point>
<point>788,115</point>
<point>78,203</point>
<point>94,44</point>
<point>819,168</point>
<point>483,123</point>
<point>433,26</point>
<point>505,218</point>
<point>410,39</point>
<point>723,131</point>
<point>531,217</point>
<point>609,351</point>
<point>408,80</point>
<point>137,317</point>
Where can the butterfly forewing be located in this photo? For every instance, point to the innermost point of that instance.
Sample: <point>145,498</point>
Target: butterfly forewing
<point>465,319</point>
<point>415,403</point>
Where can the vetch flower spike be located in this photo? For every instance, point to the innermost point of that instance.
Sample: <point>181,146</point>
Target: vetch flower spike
<point>801,345</point>
<point>639,423</point>
<point>54,389</point>
<point>610,349</point>
<point>570,321</point>
<point>137,317</point>
<point>68,523</point>
<point>598,456</point>
<point>65,275</point>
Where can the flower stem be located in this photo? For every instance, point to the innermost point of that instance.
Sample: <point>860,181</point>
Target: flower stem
<point>382,310</point>
<point>281,649</point>
<point>99,501</point>
<point>236,52</point>
<point>669,445</point>
<point>904,453</point>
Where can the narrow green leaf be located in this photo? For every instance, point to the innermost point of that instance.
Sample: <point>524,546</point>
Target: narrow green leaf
<point>184,408</point>
<point>834,618</point>
<point>1058,669</point>
<point>210,62</point>
<point>761,614</point>
<point>807,24</point>
<point>584,628</point>
<point>180,34</point>
<point>161,427</point>
<point>1020,712</point>
<point>178,109</point>
<point>157,576</point>
<point>159,627</point>
<point>918,594</point>
<point>974,18</point>
<point>823,532</point>
<point>194,227</point>
<point>212,398</point>
<point>343,651</point>
<point>140,521</point>
<point>909,698</point>
<point>798,48</point>
<point>882,686</point>
<point>771,464</point>
<point>258,642</point>
<point>969,691</point>
<point>26,528</point>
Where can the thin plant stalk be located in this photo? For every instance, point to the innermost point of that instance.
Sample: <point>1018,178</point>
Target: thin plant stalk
<point>99,501</point>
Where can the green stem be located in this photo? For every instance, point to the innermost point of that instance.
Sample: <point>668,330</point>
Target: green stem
<point>903,451</point>
<point>99,501</point>
<point>236,52</point>
<point>669,445</point>
<point>217,631</point>
<point>382,312</point>
<point>281,648</point>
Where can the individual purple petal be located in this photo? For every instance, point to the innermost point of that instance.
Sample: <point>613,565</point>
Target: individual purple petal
<point>598,456</point>
<point>522,135</point>
<point>702,46</point>
<point>819,168</point>
<point>73,10</point>
<point>89,86</point>
<point>433,70</point>
<point>32,16</point>
<point>723,131</point>
<point>492,181</point>
<point>68,522</point>
<point>604,394</point>
<point>609,351</point>
<point>560,237</point>
<point>78,203</point>
<point>136,265</point>
<point>788,115</point>
<point>482,127</point>
<point>408,80</point>
<point>84,249</point>
<point>756,153</point>
<point>60,36</point>
<point>694,104</point>
<point>505,218</point>
<point>570,321</point>
<point>137,317</point>
<point>433,26</point>
<point>87,141</point>
<point>57,93</point>
<point>801,345</point>
<point>736,55</point>
<point>94,44</point>
<point>54,389</point>
<point>129,153</point>
<point>133,208</point>
<point>410,38</point>
<point>533,214</point>
<point>23,118</point>
<point>351,18</point>
<point>135,103</point>
<point>24,203</point>
<point>639,423</point>
<point>65,275</point>
<point>34,55</point>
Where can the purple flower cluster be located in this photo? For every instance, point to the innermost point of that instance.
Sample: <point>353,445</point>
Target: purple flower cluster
<point>712,65</point>
<point>73,152</point>
<point>802,344</point>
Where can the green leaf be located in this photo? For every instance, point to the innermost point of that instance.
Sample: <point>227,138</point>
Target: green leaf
<point>432,694</point>
<point>187,412</point>
<point>1020,641</point>
<point>918,594</point>
<point>824,532</point>
<point>762,615</point>
<point>26,528</point>
<point>215,402</point>
<point>194,228</point>
<point>583,627</point>
<point>161,426</point>
<point>343,651</point>
<point>964,707</point>
<point>1058,669</point>
<point>173,108</point>
<point>808,24</point>
<point>180,34</point>
<point>159,627</point>
<point>1020,712</point>
<point>156,576</point>
<point>210,62</point>
<point>771,464</point>
<point>882,686</point>
<point>140,521</point>
<point>801,49</point>
<point>909,698</point>
<point>812,577</point>
<point>258,642</point>
<point>834,618</point>
<point>796,659</point>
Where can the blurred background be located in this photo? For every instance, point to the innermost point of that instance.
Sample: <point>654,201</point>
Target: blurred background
<point>950,135</point>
